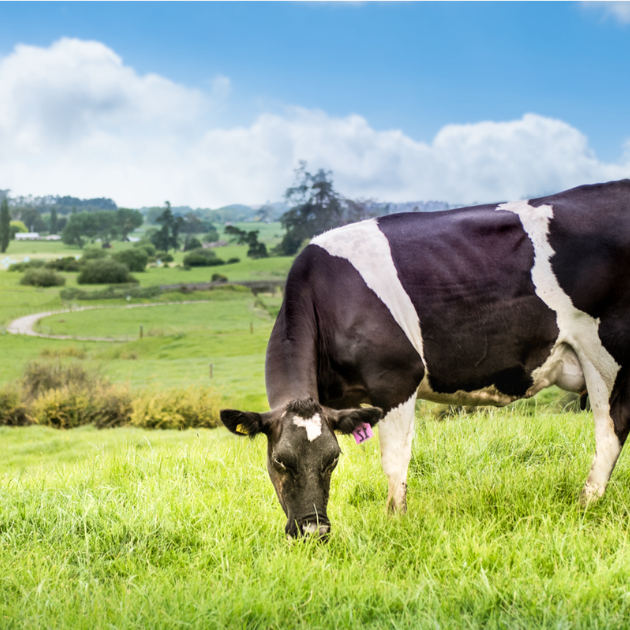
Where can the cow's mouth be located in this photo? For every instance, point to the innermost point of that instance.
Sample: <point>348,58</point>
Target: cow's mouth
<point>315,525</point>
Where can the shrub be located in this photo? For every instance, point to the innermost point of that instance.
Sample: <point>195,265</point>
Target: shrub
<point>13,412</point>
<point>202,258</point>
<point>105,271</point>
<point>148,247</point>
<point>64,408</point>
<point>177,409</point>
<point>212,236</point>
<point>232,260</point>
<point>164,257</point>
<point>93,253</point>
<point>217,277</point>
<point>42,278</point>
<point>192,243</point>
<point>29,264</point>
<point>42,376</point>
<point>114,407</point>
<point>133,259</point>
<point>69,263</point>
<point>65,352</point>
<point>119,291</point>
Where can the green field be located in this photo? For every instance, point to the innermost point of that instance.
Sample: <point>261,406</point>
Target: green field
<point>136,529</point>
<point>131,528</point>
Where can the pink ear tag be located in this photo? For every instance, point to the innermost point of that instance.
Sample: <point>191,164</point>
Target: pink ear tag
<point>363,433</point>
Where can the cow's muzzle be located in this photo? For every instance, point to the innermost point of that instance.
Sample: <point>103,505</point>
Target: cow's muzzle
<point>312,525</point>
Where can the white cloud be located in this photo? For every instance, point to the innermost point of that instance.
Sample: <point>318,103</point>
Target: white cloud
<point>75,120</point>
<point>617,10</point>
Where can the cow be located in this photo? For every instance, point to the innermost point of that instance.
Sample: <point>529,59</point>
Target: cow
<point>476,306</point>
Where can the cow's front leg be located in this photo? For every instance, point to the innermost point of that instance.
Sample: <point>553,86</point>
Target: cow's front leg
<point>607,443</point>
<point>396,437</point>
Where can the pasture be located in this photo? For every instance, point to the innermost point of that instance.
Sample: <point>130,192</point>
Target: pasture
<point>131,528</point>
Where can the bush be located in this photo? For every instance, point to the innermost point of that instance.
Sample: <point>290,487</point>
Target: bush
<point>93,253</point>
<point>191,244</point>
<point>230,261</point>
<point>42,278</point>
<point>211,237</point>
<point>105,271</point>
<point>217,277</point>
<point>42,376</point>
<point>133,259</point>
<point>65,408</point>
<point>148,247</point>
<point>30,264</point>
<point>12,412</point>
<point>202,258</point>
<point>164,257</point>
<point>120,291</point>
<point>69,263</point>
<point>177,409</point>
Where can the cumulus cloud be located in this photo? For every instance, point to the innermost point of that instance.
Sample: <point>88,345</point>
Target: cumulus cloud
<point>75,120</point>
<point>618,10</point>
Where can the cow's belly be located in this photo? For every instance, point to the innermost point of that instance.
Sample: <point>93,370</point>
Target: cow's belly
<point>488,396</point>
<point>562,368</point>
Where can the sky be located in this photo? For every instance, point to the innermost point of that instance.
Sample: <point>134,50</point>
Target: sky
<point>208,104</point>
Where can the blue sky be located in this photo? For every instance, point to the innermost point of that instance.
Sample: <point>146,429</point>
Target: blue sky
<point>212,103</point>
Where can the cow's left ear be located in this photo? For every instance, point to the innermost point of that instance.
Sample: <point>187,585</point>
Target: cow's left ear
<point>348,420</point>
<point>246,422</point>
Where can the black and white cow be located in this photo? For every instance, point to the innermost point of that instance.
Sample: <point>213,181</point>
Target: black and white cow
<point>477,306</point>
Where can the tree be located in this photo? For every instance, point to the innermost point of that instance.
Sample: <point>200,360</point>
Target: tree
<point>76,231</point>
<point>256,249</point>
<point>54,223</point>
<point>167,237</point>
<point>127,221</point>
<point>5,225</point>
<point>317,207</point>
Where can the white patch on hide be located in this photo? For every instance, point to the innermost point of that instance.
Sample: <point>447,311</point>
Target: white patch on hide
<point>312,425</point>
<point>395,433</point>
<point>367,249</point>
<point>310,528</point>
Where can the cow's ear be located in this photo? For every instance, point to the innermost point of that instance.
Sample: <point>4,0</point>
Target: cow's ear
<point>246,422</point>
<point>348,420</point>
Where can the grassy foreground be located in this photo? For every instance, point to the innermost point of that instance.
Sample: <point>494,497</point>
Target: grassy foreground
<point>161,529</point>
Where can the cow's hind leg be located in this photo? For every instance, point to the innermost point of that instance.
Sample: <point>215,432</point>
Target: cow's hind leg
<point>396,438</point>
<point>609,434</point>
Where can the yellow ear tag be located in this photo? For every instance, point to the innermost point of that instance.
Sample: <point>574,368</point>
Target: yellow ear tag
<point>242,429</point>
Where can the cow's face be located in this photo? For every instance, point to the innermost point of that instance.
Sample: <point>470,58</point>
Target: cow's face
<point>302,452</point>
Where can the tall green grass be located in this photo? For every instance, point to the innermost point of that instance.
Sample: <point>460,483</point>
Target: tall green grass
<point>187,532</point>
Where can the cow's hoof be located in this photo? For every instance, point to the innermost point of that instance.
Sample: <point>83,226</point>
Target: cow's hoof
<point>591,494</point>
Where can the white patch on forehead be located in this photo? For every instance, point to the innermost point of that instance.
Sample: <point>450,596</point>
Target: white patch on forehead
<point>312,425</point>
<point>367,249</point>
<point>577,328</point>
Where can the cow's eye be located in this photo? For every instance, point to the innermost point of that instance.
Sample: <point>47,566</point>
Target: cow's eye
<point>279,464</point>
<point>332,465</point>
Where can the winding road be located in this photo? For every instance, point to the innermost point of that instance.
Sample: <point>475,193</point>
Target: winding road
<point>25,325</point>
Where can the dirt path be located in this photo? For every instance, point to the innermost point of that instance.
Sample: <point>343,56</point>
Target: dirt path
<point>25,325</point>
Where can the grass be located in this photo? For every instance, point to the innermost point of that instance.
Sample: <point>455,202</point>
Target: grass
<point>140,529</point>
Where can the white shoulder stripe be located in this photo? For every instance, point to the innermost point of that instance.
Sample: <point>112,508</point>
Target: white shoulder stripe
<point>367,249</point>
<point>577,328</point>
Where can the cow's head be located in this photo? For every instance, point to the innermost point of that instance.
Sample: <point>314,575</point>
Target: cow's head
<point>302,452</point>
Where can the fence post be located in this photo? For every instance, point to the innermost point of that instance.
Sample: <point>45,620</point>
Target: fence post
<point>211,366</point>
<point>140,331</point>
<point>251,327</point>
